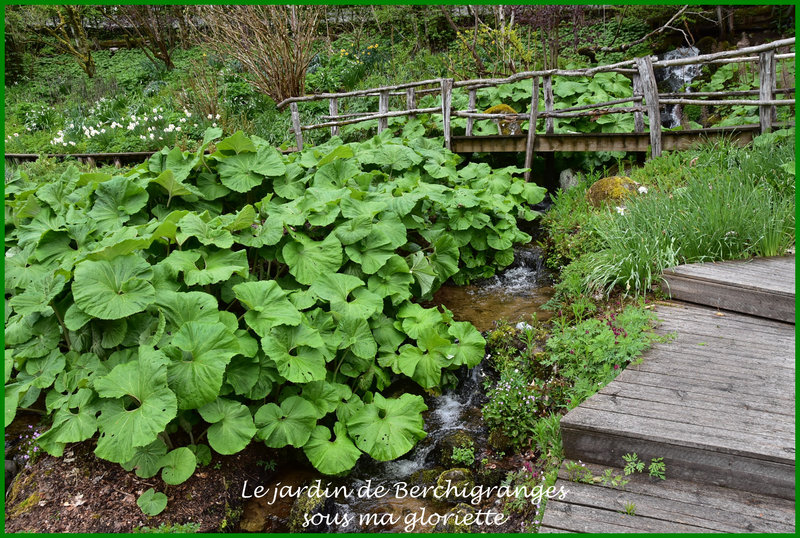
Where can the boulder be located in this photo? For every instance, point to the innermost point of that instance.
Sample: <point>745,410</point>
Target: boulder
<point>611,190</point>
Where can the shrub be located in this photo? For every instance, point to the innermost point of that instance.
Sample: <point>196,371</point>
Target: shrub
<point>248,293</point>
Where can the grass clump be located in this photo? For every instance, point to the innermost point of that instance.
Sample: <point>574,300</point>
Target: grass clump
<point>718,202</point>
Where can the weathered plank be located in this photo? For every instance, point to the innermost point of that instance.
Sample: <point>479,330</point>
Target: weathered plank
<point>333,110</point>
<point>447,95</point>
<point>297,126</point>
<point>650,91</point>
<point>532,126</point>
<point>762,287</point>
<point>383,108</point>
<point>548,103</point>
<point>661,502</point>
<point>600,443</point>
<point>767,83</point>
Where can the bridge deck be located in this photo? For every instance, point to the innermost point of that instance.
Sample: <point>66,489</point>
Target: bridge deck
<point>547,143</point>
<point>717,402</point>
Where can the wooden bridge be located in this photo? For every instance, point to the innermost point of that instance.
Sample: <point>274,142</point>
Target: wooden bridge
<point>646,103</point>
<point>717,403</point>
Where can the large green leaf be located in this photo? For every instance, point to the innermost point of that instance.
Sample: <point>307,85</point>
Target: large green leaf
<point>331,457</point>
<point>208,230</point>
<point>231,425</point>
<point>290,424</point>
<point>148,459</point>
<point>326,396</point>
<point>217,266</point>
<point>140,407</point>
<point>308,259</point>
<point>469,346</point>
<point>178,465</point>
<point>183,307</point>
<point>115,201</point>
<point>424,367</point>
<point>152,502</point>
<point>267,306</point>
<point>348,298</point>
<point>113,289</point>
<point>296,352</point>
<point>199,357</point>
<point>388,428</point>
<point>37,296</point>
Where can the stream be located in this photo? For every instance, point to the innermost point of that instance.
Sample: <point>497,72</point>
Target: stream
<point>453,419</point>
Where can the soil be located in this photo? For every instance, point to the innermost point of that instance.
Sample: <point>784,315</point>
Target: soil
<point>82,493</point>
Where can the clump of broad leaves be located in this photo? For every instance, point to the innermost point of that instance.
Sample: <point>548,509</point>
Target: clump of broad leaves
<point>248,295</point>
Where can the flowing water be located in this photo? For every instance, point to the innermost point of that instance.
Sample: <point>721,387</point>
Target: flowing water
<point>675,78</point>
<point>513,295</point>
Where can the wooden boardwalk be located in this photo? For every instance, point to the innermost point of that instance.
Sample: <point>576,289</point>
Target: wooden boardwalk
<point>716,402</point>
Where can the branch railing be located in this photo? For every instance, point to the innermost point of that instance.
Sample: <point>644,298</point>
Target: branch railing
<point>646,101</point>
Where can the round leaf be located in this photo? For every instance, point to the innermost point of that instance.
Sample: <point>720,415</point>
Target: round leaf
<point>151,502</point>
<point>289,424</point>
<point>113,289</point>
<point>232,425</point>
<point>178,465</point>
<point>331,457</point>
<point>388,428</point>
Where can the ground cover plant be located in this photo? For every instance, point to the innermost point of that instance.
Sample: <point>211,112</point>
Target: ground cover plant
<point>717,202</point>
<point>247,295</point>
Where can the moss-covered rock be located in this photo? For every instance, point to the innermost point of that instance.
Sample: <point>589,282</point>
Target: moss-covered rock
<point>610,190</point>
<point>308,505</point>
<point>31,501</point>
<point>456,483</point>
<point>425,477</point>
<point>498,440</point>
<point>454,523</point>
<point>506,127</point>
<point>458,439</point>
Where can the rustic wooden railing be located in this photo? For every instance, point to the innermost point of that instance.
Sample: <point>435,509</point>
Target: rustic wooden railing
<point>646,101</point>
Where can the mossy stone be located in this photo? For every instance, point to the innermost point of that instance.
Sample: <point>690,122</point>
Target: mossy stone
<point>498,440</point>
<point>451,524</point>
<point>451,441</point>
<point>307,504</point>
<point>25,506</point>
<point>610,190</point>
<point>455,481</point>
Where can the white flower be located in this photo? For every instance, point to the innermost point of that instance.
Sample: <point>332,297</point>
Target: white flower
<point>210,116</point>
<point>152,136</point>
<point>155,110</point>
<point>160,117</point>
<point>642,190</point>
<point>182,120</point>
<point>188,114</point>
<point>161,138</point>
<point>178,129</point>
<point>620,210</point>
<point>16,135</point>
<point>161,109</point>
<point>71,143</point>
<point>195,125</point>
<point>216,117</point>
<point>102,130</point>
<point>214,124</point>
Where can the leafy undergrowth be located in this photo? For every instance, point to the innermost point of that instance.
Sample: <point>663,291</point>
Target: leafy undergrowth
<point>717,202</point>
<point>542,370</point>
<point>248,295</point>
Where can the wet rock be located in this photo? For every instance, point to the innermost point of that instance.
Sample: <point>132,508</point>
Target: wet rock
<point>456,483</point>
<point>425,477</point>
<point>611,190</point>
<point>451,441</point>
<point>499,441</point>
<point>567,179</point>
<point>489,476</point>
<point>11,471</point>
<point>304,508</point>
<point>454,523</point>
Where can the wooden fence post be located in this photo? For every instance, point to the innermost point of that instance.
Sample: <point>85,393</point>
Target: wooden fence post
<point>383,108</point>
<point>473,94</point>
<point>298,131</point>
<point>447,90</point>
<point>333,110</point>
<point>548,104</point>
<point>650,92</point>
<point>411,101</point>
<point>638,118</point>
<point>532,126</point>
<point>767,84</point>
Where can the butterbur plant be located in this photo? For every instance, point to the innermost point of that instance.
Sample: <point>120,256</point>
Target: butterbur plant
<point>248,295</point>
